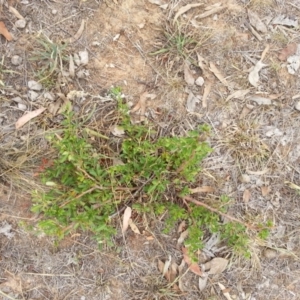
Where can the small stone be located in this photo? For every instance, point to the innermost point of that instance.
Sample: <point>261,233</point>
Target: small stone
<point>84,57</point>
<point>22,106</point>
<point>297,105</point>
<point>49,96</point>
<point>20,23</point>
<point>16,60</point>
<point>33,85</point>
<point>245,178</point>
<point>17,99</point>
<point>54,11</point>
<point>270,253</point>
<point>199,81</point>
<point>33,95</point>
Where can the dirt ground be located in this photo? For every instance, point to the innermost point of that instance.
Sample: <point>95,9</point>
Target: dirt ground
<point>255,137</point>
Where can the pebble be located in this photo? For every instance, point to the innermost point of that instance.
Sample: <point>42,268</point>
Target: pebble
<point>199,81</point>
<point>245,178</point>
<point>20,23</point>
<point>48,96</point>
<point>17,99</point>
<point>270,253</point>
<point>54,11</point>
<point>22,106</point>
<point>33,95</point>
<point>297,105</point>
<point>33,85</point>
<point>84,57</point>
<point>16,60</point>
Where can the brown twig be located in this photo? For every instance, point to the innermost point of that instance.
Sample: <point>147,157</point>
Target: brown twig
<point>190,199</point>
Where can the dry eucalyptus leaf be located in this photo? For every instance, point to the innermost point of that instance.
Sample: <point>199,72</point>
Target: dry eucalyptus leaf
<point>133,227</point>
<point>265,190</point>
<point>217,73</point>
<point>237,95</point>
<point>5,32</point>
<point>71,66</point>
<point>285,21</point>
<point>193,266</point>
<point>225,291</point>
<point>126,218</point>
<point>202,189</point>
<point>246,195</point>
<point>254,74</point>
<point>188,75</point>
<point>202,282</point>
<point>77,34</point>
<point>262,172</point>
<point>15,12</point>
<point>26,118</point>
<point>184,9</point>
<point>181,226</point>
<point>207,89</point>
<point>210,12</point>
<point>260,100</point>
<point>217,265</point>
<point>289,50</point>
<point>191,102</point>
<point>256,22</point>
<point>183,236</point>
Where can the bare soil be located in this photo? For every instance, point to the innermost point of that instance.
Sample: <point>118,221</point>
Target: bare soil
<point>248,138</point>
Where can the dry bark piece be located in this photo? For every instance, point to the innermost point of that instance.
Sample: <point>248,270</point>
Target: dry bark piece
<point>289,50</point>
<point>26,118</point>
<point>5,32</point>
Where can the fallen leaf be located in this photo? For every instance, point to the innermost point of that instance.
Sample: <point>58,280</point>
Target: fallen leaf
<point>55,106</point>
<point>5,32</point>
<point>260,100</point>
<point>237,95</point>
<point>133,227</point>
<point>180,272</point>
<point>184,9</point>
<point>202,282</point>
<point>216,266</point>
<point>224,290</point>
<point>265,190</point>
<point>289,50</point>
<point>26,118</point>
<point>246,195</point>
<point>71,66</point>
<point>292,185</point>
<point>193,266</point>
<point>126,218</point>
<point>207,89</point>
<point>217,73</point>
<point>202,189</point>
<point>254,74</point>
<point>157,2</point>
<point>256,22</point>
<point>167,265</point>
<point>262,172</point>
<point>188,75</point>
<point>182,237</point>
<point>181,226</point>
<point>285,21</point>
<point>210,12</point>
<point>15,12</point>
<point>191,102</point>
<point>77,34</point>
